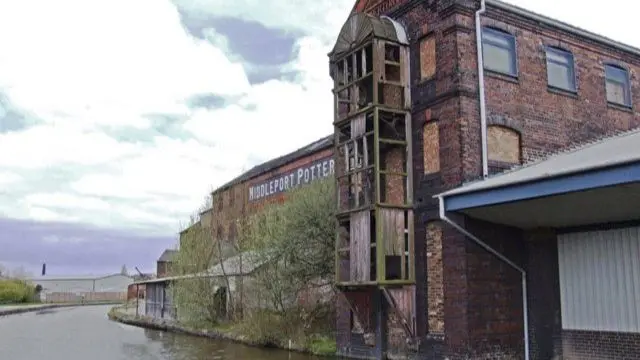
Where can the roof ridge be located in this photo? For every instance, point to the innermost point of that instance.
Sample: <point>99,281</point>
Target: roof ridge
<point>289,157</point>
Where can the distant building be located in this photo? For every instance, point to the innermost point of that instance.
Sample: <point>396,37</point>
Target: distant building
<point>163,267</point>
<point>74,288</point>
<point>138,288</point>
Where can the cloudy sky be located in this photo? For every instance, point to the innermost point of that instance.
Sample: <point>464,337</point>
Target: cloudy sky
<point>117,117</point>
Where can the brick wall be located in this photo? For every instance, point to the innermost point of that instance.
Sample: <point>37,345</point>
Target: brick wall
<point>549,119</point>
<point>528,121</point>
<point>162,268</point>
<point>545,326</point>
<point>232,204</point>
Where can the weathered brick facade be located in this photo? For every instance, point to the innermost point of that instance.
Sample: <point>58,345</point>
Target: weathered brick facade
<point>231,202</point>
<point>469,303</point>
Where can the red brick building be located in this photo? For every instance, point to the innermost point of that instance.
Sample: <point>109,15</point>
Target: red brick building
<point>265,184</point>
<point>164,262</point>
<point>467,278</point>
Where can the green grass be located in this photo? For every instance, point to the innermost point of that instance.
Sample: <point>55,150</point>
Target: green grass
<point>322,345</point>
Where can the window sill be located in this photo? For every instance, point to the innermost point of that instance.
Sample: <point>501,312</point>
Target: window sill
<point>559,91</point>
<point>502,76</point>
<point>620,107</point>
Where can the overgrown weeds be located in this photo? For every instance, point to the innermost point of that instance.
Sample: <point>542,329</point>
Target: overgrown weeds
<point>282,295</point>
<point>15,291</point>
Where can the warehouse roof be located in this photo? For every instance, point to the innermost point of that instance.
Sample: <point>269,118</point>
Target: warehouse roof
<point>258,170</point>
<point>611,151</point>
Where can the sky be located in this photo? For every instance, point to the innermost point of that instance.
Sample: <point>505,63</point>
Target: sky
<point>118,117</point>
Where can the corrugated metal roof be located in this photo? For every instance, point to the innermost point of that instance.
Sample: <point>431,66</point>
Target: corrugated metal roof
<point>616,150</point>
<point>167,255</point>
<point>242,264</point>
<point>239,265</point>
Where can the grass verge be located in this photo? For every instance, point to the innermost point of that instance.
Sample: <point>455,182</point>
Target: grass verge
<point>244,333</point>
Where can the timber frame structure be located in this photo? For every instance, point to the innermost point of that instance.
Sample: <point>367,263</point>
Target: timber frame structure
<point>369,66</point>
<point>372,123</point>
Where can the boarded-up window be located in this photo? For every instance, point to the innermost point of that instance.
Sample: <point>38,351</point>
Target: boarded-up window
<point>435,296</point>
<point>431,140</point>
<point>427,57</point>
<point>503,144</point>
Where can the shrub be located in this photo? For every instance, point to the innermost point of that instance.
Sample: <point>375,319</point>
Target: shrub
<point>15,291</point>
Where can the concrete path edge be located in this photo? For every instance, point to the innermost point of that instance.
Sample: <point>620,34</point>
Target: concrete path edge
<point>34,308</point>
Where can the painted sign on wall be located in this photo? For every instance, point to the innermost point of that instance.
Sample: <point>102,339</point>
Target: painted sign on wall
<point>300,176</point>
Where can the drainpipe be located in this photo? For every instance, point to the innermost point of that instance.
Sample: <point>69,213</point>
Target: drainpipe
<point>483,105</point>
<point>504,259</point>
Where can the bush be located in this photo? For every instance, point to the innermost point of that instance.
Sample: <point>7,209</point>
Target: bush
<point>15,291</point>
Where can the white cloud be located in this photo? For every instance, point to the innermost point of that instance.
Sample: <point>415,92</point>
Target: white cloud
<point>44,214</point>
<point>55,239</point>
<point>321,19</point>
<point>106,60</point>
<point>48,145</point>
<point>65,201</point>
<point>82,66</point>
<point>7,178</point>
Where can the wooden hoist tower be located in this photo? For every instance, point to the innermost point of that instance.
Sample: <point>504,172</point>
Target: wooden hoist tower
<point>372,121</point>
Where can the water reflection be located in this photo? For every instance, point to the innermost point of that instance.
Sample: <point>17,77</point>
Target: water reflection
<point>183,347</point>
<point>85,333</point>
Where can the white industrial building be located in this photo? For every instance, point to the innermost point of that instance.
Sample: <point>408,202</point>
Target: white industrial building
<point>74,288</point>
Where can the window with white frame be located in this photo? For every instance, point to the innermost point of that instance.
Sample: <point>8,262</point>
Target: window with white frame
<point>499,51</point>
<point>560,69</point>
<point>617,85</point>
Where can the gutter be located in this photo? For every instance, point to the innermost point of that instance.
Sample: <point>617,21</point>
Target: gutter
<point>525,306</point>
<point>564,26</point>
<point>483,105</point>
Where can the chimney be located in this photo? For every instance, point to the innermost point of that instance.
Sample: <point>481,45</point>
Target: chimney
<point>44,269</point>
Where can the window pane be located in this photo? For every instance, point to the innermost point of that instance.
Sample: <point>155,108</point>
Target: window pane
<point>560,76</point>
<point>558,56</point>
<point>616,73</point>
<point>616,93</point>
<point>499,59</point>
<point>496,38</point>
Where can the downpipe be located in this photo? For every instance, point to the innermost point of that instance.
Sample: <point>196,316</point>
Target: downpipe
<point>525,305</point>
<point>481,91</point>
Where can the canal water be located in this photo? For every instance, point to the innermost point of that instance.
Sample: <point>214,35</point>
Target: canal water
<point>85,333</point>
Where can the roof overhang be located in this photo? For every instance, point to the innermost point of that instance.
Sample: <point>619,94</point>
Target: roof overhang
<point>602,196</point>
<point>595,185</point>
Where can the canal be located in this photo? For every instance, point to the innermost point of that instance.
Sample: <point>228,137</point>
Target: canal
<point>83,333</point>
